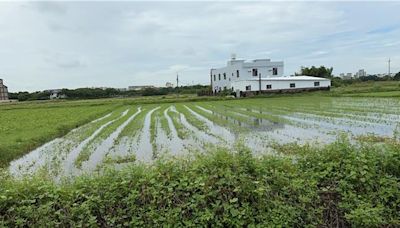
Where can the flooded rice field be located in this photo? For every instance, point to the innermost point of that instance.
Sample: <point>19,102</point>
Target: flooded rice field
<point>145,132</point>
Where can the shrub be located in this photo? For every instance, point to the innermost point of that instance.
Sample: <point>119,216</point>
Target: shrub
<point>339,185</point>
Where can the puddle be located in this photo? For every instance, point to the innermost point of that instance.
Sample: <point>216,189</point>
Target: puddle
<point>215,129</point>
<point>198,133</point>
<point>144,151</point>
<point>174,144</point>
<point>50,154</point>
<point>99,153</point>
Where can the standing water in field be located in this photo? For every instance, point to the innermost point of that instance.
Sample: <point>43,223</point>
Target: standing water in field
<point>142,134</point>
<point>145,150</point>
<point>51,155</point>
<point>98,154</point>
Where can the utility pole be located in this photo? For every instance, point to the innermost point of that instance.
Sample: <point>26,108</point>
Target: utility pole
<point>177,80</point>
<point>177,84</point>
<point>211,82</point>
<point>389,66</point>
<point>259,82</point>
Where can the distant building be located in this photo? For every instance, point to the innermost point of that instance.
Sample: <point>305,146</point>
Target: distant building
<point>101,87</point>
<point>346,76</point>
<point>259,76</point>
<point>361,73</point>
<point>56,94</point>
<point>3,91</point>
<point>137,88</point>
<point>169,85</point>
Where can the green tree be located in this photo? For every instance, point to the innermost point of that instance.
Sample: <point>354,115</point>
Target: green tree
<point>321,71</point>
<point>397,77</point>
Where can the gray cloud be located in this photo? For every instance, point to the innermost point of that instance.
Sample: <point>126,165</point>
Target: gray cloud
<point>49,7</point>
<point>72,64</point>
<point>76,44</point>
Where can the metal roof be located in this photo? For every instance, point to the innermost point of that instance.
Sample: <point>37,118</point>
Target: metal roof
<point>292,78</point>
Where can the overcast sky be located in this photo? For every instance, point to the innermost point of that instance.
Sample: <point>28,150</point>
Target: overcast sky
<point>48,45</point>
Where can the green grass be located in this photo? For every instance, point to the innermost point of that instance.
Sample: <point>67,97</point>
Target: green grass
<point>191,118</point>
<point>25,127</point>
<point>134,127</point>
<point>155,118</point>
<point>368,87</point>
<point>164,122</point>
<point>378,94</point>
<point>84,155</point>
<point>228,109</point>
<point>217,119</point>
<point>337,185</point>
<point>181,130</point>
<point>108,160</point>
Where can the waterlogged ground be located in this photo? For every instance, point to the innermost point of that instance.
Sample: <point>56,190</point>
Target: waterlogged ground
<point>145,132</point>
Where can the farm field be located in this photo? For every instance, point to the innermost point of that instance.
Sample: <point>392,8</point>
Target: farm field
<point>24,127</point>
<point>27,125</point>
<point>284,161</point>
<point>368,88</point>
<point>126,133</point>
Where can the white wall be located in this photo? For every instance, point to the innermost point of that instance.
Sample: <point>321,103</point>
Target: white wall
<point>263,67</point>
<point>279,84</point>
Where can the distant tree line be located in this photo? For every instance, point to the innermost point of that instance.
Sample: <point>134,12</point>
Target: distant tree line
<point>325,72</point>
<point>200,90</point>
<point>26,96</point>
<point>95,93</point>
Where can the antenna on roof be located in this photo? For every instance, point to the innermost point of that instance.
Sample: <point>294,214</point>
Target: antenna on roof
<point>233,56</point>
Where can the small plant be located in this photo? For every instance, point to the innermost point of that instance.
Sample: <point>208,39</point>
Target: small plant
<point>396,132</point>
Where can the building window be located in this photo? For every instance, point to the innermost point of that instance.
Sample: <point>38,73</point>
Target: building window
<point>219,77</point>
<point>237,73</point>
<point>292,85</point>
<point>232,74</point>
<point>248,88</point>
<point>215,78</point>
<point>274,71</point>
<point>269,86</point>
<point>316,83</point>
<point>233,89</point>
<point>224,88</point>
<point>254,72</point>
<point>224,76</point>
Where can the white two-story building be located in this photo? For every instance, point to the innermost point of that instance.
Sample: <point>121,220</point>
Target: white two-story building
<point>260,75</point>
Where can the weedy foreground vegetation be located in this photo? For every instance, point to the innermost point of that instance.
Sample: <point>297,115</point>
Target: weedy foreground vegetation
<point>338,185</point>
